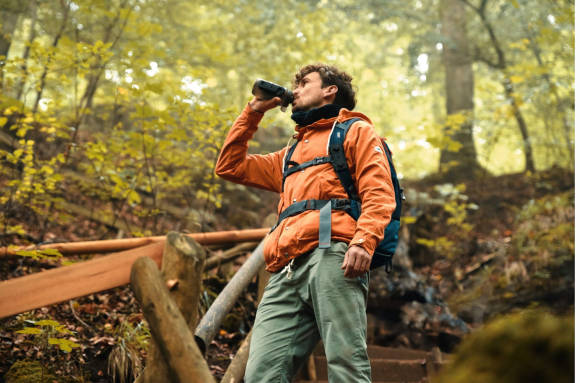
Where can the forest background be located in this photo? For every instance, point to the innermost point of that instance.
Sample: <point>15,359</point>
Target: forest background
<point>112,112</point>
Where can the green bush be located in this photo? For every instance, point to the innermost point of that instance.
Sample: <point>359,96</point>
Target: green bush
<point>530,346</point>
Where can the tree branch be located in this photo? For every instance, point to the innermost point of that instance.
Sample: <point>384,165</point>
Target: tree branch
<point>470,5</point>
<point>478,56</point>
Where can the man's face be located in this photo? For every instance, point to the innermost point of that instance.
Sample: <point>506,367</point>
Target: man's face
<point>309,93</point>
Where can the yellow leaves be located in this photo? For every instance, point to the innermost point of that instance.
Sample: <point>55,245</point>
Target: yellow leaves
<point>522,44</point>
<point>133,197</point>
<point>454,121</point>
<point>30,331</point>
<point>515,79</point>
<point>46,329</point>
<point>45,254</point>
<point>63,344</point>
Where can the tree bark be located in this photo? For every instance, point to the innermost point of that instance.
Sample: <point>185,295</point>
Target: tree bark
<point>65,13</point>
<point>182,269</point>
<point>10,12</point>
<point>229,255</point>
<point>169,329</point>
<point>462,163</point>
<point>211,321</point>
<point>26,54</point>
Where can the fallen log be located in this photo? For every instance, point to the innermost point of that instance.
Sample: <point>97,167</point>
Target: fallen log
<point>229,255</point>
<point>211,321</point>
<point>112,245</point>
<point>182,272</point>
<point>183,359</point>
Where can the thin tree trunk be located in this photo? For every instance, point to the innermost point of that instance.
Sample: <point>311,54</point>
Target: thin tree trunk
<point>522,126</point>
<point>26,55</point>
<point>10,15</point>
<point>65,9</point>
<point>461,163</point>
<point>501,64</point>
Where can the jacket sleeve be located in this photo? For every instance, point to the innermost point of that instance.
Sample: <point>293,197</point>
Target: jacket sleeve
<point>236,165</point>
<point>372,177</point>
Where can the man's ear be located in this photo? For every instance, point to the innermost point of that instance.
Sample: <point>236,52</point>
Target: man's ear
<point>330,91</point>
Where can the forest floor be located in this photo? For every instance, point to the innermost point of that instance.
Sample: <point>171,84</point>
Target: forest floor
<point>488,247</point>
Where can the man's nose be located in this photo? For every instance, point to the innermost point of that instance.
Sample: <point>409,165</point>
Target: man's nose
<point>295,92</point>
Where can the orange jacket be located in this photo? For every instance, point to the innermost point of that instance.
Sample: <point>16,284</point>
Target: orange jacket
<point>298,234</point>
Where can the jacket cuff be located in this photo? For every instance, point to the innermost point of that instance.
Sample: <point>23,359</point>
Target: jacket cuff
<point>365,244</point>
<point>253,116</point>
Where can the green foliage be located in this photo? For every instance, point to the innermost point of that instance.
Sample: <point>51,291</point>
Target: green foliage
<point>45,333</point>
<point>44,254</point>
<point>456,207</point>
<point>529,346</point>
<point>544,238</point>
<point>125,359</point>
<point>537,264</point>
<point>24,371</point>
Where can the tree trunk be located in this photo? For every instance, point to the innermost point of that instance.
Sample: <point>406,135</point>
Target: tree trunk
<point>182,270</point>
<point>26,54</point>
<point>522,126</point>
<point>169,330</point>
<point>501,64</point>
<point>461,163</point>
<point>10,13</point>
<point>65,13</point>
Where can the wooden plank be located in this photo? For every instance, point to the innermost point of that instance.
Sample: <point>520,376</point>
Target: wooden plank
<point>61,284</point>
<point>112,245</point>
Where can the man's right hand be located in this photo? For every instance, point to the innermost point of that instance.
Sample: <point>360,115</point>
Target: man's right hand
<point>262,106</point>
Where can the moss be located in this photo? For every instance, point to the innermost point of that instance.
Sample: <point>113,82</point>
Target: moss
<point>27,371</point>
<point>531,346</point>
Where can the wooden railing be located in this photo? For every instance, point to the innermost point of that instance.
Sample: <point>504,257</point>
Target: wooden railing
<point>61,284</point>
<point>168,298</point>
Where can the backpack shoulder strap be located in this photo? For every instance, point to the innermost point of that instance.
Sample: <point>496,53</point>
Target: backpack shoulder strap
<point>395,180</point>
<point>287,162</point>
<point>338,157</point>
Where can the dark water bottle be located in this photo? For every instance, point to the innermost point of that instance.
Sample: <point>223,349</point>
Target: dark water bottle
<point>266,90</point>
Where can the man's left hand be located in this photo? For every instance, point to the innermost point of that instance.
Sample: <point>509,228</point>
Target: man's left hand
<point>356,262</point>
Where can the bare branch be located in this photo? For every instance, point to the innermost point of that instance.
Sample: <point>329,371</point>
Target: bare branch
<point>470,5</point>
<point>478,56</point>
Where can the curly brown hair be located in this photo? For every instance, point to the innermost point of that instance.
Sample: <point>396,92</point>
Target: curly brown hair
<point>331,75</point>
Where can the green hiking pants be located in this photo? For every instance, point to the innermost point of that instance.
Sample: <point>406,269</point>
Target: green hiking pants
<point>314,301</point>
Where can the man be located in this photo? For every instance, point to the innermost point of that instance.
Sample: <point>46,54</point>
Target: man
<point>316,291</point>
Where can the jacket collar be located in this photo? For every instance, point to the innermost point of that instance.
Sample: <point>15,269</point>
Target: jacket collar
<point>327,123</point>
